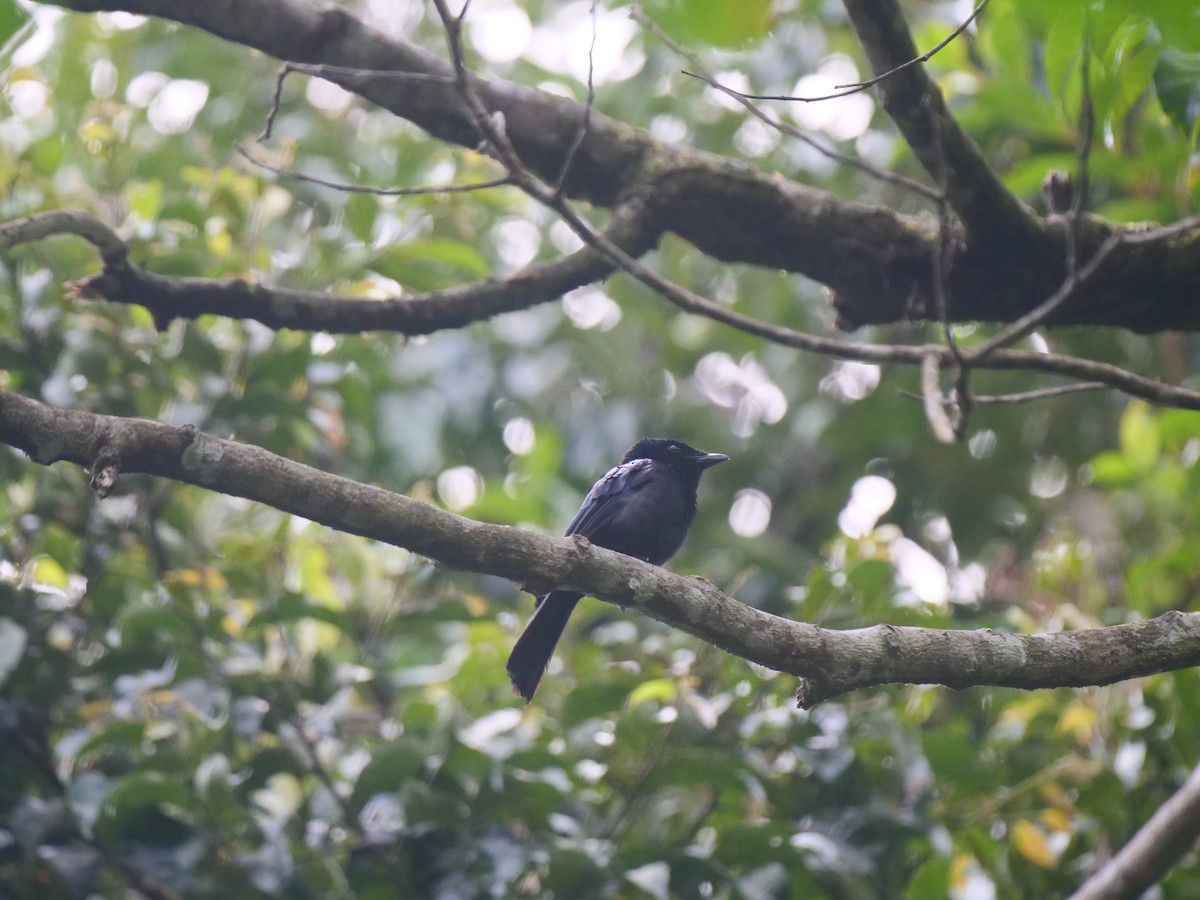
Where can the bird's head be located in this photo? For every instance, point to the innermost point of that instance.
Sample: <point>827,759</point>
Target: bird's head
<point>678,454</point>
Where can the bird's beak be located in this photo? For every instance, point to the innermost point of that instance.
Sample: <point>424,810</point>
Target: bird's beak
<point>705,460</point>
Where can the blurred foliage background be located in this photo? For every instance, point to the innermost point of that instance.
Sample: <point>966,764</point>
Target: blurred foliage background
<point>199,696</point>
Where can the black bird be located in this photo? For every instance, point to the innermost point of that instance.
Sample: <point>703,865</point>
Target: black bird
<point>642,508</point>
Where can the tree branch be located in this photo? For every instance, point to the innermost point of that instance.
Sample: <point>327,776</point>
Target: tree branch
<point>170,298</point>
<point>112,249</point>
<point>495,135</point>
<point>1170,833</point>
<point>987,210</point>
<point>877,262</point>
<point>189,298</point>
<point>831,662</point>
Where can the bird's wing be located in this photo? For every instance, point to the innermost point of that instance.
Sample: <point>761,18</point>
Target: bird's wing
<point>609,495</point>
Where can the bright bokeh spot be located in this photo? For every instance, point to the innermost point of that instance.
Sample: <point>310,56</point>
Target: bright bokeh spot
<point>459,487</point>
<point>743,387</point>
<point>499,30</point>
<point>590,307</point>
<point>519,436</point>
<point>561,44</point>
<point>175,107</point>
<point>843,118</point>
<point>750,514</point>
<point>870,498</point>
<point>850,381</point>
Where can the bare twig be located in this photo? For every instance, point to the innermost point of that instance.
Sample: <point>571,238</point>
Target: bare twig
<point>1076,280</point>
<point>639,15</point>
<point>845,90</point>
<point>1021,397</point>
<point>492,131</point>
<point>367,189</point>
<point>169,298</point>
<point>587,108</point>
<point>1083,369</point>
<point>1040,394</point>
<point>350,817</point>
<point>989,212</point>
<point>941,277</point>
<point>329,73</point>
<point>731,212</point>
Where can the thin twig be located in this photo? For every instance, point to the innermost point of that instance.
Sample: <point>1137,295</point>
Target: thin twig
<point>639,15</point>
<point>330,73</point>
<point>367,189</point>
<point>1023,396</point>
<point>494,135</point>
<point>585,125</point>
<point>941,278</point>
<point>845,90</point>
<point>1024,325</point>
<point>292,314</point>
<point>991,215</point>
<point>1041,393</point>
<point>1086,127</point>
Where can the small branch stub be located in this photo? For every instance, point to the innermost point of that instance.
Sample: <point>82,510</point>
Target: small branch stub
<point>104,476</point>
<point>931,393</point>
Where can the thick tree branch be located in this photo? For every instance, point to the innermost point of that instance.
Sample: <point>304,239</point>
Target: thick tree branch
<point>831,662</point>
<point>943,356</point>
<point>169,298</point>
<point>112,249</point>
<point>987,210</point>
<point>1170,833</point>
<point>187,298</point>
<point>877,262</point>
<point>496,137</point>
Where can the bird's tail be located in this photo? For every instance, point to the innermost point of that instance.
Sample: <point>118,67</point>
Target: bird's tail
<point>533,649</point>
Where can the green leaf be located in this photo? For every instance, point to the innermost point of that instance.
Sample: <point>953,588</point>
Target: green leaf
<point>715,22</point>
<point>1064,43</point>
<point>145,198</point>
<point>661,689</point>
<point>13,23</point>
<point>361,212</point>
<point>122,736</point>
<point>1179,23</point>
<point>932,879</point>
<point>1010,41</point>
<point>1177,83</point>
<point>953,755</point>
<point>1139,437</point>
<point>135,794</point>
<point>432,263</point>
<point>389,768</point>
<point>1134,52</point>
<point>1111,469</point>
<point>872,579</point>
<point>292,608</point>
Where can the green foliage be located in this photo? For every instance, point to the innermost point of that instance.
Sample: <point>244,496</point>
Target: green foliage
<point>218,699</point>
<point>716,23</point>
